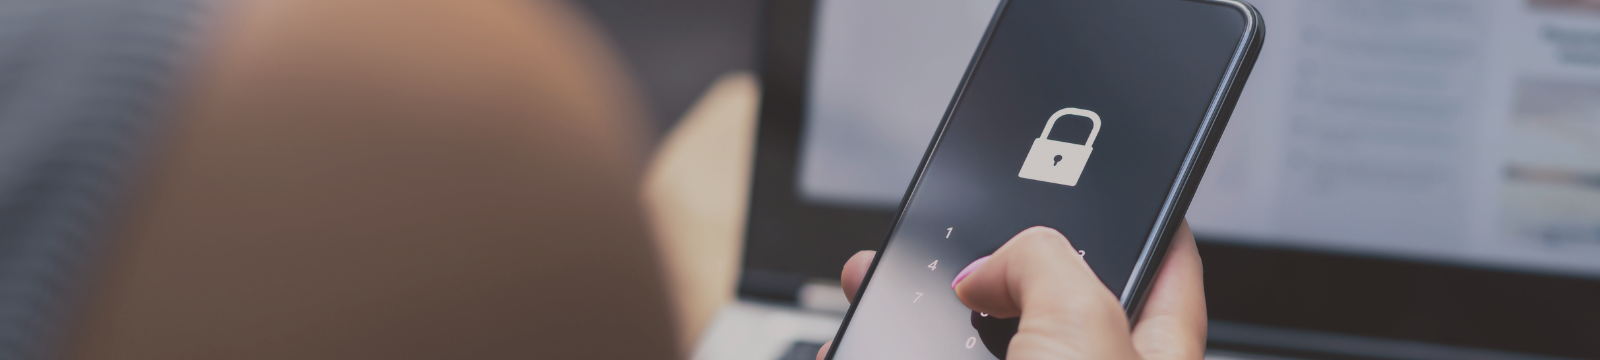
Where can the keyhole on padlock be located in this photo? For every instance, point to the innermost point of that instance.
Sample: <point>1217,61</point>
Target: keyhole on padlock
<point>1058,160</point>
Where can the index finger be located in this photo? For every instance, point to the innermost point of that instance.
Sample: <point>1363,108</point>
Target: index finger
<point>1066,312</point>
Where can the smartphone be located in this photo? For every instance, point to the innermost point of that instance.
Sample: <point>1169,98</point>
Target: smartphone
<point>1093,117</point>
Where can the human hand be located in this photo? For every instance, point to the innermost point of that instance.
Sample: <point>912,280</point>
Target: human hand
<point>1067,313</point>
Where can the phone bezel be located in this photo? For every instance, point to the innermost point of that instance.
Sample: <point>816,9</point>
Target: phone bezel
<point>1178,196</point>
<point>1198,156</point>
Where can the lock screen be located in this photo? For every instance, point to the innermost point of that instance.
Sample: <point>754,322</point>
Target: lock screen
<point>1138,76</point>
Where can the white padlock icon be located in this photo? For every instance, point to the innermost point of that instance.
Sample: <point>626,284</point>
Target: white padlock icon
<point>1059,162</point>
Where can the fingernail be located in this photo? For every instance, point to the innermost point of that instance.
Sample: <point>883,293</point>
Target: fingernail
<point>968,270</point>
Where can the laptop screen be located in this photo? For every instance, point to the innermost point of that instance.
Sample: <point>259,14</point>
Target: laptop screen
<point>1459,132</point>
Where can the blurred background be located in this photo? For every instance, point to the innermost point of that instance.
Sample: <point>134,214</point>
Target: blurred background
<point>675,49</point>
<point>321,179</point>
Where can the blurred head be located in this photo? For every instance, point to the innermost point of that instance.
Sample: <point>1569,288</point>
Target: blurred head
<point>321,179</point>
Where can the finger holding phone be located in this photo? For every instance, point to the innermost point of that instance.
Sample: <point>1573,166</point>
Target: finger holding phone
<point>1070,314</point>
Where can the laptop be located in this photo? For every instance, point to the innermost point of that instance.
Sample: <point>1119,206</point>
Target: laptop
<point>1402,179</point>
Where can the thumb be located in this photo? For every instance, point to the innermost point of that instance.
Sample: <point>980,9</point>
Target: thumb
<point>1066,312</point>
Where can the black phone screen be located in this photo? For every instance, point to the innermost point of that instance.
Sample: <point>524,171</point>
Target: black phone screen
<point>1078,115</point>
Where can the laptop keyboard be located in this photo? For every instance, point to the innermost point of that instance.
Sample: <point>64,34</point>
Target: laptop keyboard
<point>802,350</point>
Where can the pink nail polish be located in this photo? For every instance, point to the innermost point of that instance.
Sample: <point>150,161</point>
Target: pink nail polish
<point>968,270</point>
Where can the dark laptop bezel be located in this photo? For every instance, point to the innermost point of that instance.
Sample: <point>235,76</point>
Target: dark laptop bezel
<point>789,241</point>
